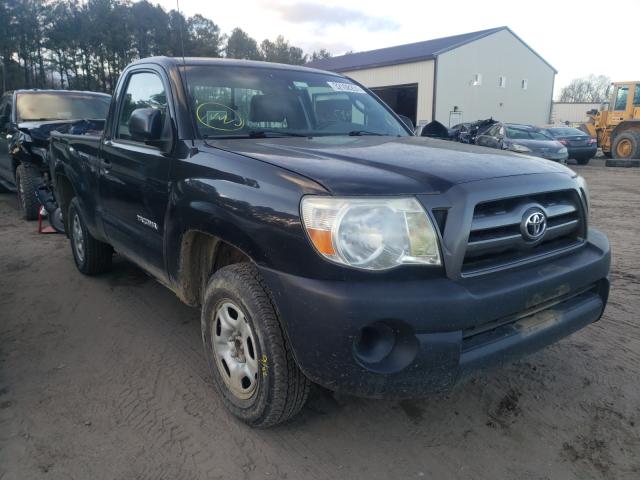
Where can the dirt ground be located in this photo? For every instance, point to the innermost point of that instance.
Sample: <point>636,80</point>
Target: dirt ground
<point>104,378</point>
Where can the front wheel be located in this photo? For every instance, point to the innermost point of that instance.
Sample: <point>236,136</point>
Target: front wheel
<point>626,145</point>
<point>91,256</point>
<point>27,181</point>
<point>248,354</point>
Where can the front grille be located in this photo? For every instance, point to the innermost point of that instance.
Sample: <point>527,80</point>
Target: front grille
<point>495,238</point>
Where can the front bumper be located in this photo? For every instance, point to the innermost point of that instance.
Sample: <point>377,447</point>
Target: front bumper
<point>583,152</point>
<point>402,339</point>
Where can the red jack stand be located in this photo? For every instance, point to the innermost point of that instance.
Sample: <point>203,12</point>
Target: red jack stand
<point>42,229</point>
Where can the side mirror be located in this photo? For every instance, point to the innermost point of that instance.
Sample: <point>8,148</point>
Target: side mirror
<point>145,125</point>
<point>408,122</point>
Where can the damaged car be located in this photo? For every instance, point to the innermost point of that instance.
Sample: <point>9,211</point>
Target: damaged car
<point>27,118</point>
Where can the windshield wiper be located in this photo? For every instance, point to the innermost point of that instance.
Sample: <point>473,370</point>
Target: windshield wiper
<point>357,133</point>
<point>258,134</point>
<point>39,120</point>
<point>265,133</point>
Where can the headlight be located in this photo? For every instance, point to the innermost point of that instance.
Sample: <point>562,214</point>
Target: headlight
<point>584,189</point>
<point>562,150</point>
<point>516,147</point>
<point>372,234</point>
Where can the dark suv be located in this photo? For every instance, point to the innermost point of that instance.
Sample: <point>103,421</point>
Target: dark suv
<point>27,118</point>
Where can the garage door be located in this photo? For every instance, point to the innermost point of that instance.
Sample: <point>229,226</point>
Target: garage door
<point>402,99</point>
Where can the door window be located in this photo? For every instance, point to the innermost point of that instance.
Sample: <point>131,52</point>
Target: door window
<point>621,98</point>
<point>493,131</point>
<point>144,90</point>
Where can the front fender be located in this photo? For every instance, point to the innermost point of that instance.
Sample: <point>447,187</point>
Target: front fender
<point>246,203</point>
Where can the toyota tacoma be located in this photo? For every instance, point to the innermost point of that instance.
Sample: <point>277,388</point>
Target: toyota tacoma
<point>322,240</point>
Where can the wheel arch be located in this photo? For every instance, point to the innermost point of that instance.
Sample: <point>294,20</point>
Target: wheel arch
<point>625,127</point>
<point>65,192</point>
<point>201,255</point>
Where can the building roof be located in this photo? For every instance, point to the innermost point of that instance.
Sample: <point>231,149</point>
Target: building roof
<point>409,53</point>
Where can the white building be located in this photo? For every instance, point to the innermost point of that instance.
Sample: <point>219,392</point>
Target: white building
<point>490,73</point>
<point>573,113</point>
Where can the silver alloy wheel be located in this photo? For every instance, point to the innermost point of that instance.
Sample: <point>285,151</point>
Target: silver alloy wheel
<point>234,348</point>
<point>78,238</point>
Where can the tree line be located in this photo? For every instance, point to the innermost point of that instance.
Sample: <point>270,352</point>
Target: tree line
<point>85,45</point>
<point>590,89</point>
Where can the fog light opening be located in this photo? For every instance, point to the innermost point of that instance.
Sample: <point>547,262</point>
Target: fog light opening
<point>386,346</point>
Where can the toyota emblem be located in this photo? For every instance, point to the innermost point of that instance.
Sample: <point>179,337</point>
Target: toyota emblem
<point>534,224</point>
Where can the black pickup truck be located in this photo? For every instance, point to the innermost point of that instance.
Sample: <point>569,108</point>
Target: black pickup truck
<point>323,241</point>
<point>27,118</point>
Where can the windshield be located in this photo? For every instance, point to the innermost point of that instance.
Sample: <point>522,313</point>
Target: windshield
<point>34,106</point>
<point>523,133</point>
<point>566,132</point>
<point>230,102</point>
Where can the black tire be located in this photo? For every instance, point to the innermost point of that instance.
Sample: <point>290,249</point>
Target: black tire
<point>27,181</point>
<point>583,160</point>
<point>607,154</point>
<point>95,256</point>
<point>281,389</point>
<point>631,138</point>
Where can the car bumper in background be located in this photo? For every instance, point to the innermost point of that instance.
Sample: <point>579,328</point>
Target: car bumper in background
<point>402,339</point>
<point>582,152</point>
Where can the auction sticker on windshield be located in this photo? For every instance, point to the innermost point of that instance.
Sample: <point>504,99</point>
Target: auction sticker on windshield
<point>345,87</point>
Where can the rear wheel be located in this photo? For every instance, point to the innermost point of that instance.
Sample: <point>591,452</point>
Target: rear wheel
<point>248,355</point>
<point>626,145</point>
<point>583,160</point>
<point>27,181</point>
<point>91,256</point>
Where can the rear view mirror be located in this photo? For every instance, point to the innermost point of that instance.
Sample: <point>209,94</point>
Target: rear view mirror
<point>408,122</point>
<point>145,125</point>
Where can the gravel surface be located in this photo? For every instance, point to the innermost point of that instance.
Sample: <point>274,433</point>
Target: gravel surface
<point>104,378</point>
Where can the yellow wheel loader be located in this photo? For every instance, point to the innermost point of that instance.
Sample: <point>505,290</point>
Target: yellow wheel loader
<point>617,127</point>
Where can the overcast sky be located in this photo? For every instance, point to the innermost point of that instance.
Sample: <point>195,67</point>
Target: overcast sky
<point>576,37</point>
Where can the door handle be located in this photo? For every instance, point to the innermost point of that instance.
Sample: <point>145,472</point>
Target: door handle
<point>105,166</point>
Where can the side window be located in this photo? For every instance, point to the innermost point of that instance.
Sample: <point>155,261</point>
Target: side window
<point>621,98</point>
<point>493,131</point>
<point>636,96</point>
<point>144,90</point>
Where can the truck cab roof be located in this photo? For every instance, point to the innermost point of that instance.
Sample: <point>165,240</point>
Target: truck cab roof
<point>174,62</point>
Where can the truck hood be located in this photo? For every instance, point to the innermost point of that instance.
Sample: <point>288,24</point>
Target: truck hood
<point>41,130</point>
<point>369,165</point>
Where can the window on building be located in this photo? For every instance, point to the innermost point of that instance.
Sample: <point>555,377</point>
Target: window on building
<point>525,84</point>
<point>502,81</point>
<point>477,79</point>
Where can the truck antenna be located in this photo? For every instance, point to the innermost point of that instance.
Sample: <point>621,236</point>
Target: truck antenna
<point>184,63</point>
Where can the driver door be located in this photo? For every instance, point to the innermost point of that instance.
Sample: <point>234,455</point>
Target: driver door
<point>134,176</point>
